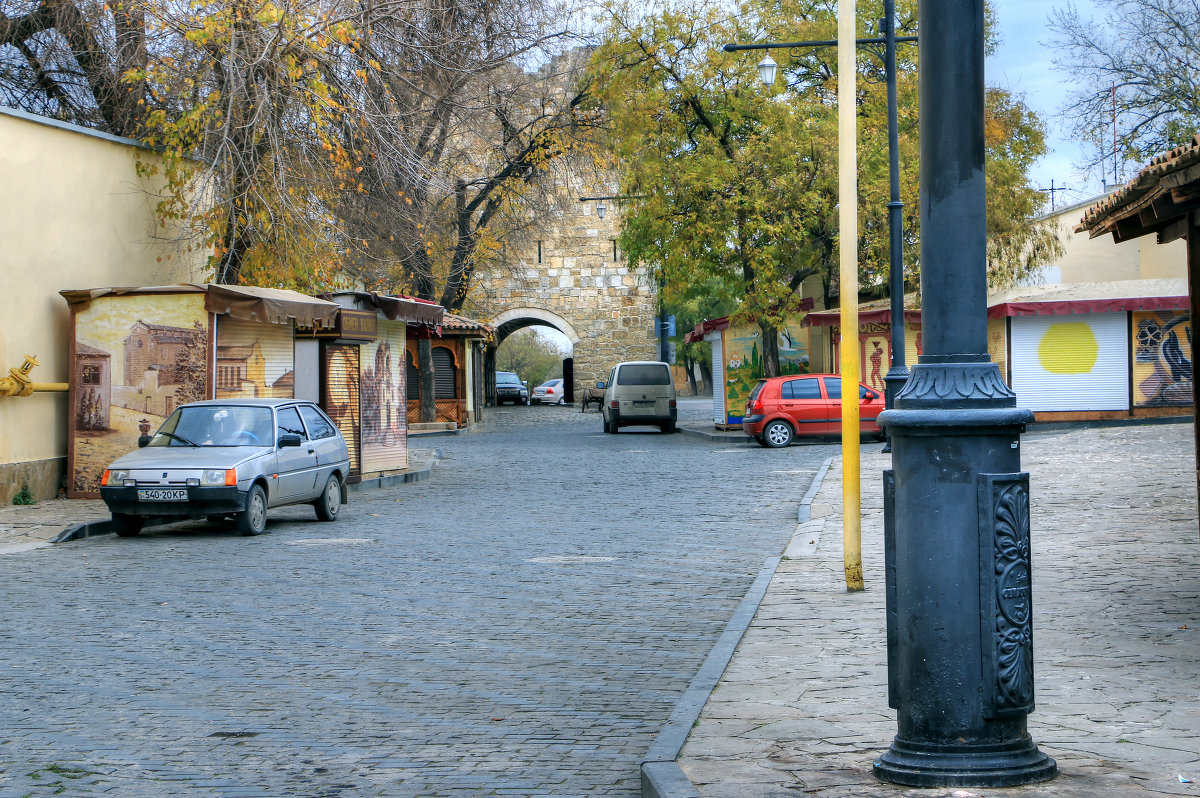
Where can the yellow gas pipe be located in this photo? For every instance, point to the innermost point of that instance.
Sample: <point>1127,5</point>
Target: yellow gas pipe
<point>17,383</point>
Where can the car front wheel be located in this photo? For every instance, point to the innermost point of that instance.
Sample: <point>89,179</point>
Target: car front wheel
<point>777,434</point>
<point>331,500</point>
<point>253,520</point>
<point>127,526</point>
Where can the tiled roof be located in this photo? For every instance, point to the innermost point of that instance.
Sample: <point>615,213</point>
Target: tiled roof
<point>461,324</point>
<point>1160,194</point>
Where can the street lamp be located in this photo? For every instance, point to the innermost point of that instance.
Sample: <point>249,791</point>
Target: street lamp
<point>600,209</point>
<point>766,70</point>
<point>898,369</point>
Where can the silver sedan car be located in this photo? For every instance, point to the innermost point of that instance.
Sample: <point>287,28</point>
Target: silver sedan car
<point>236,457</point>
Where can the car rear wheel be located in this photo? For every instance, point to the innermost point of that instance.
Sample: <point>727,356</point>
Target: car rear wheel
<point>127,526</point>
<point>331,500</point>
<point>253,520</point>
<point>777,434</point>
<point>668,427</point>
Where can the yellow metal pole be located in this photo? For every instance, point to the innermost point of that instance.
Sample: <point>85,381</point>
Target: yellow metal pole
<point>848,278</point>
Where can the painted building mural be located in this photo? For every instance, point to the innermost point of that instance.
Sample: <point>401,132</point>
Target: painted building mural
<point>382,400</point>
<point>254,359</point>
<point>742,356</point>
<point>136,360</point>
<point>1162,359</point>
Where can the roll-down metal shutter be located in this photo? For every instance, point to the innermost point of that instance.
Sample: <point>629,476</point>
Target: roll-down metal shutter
<point>384,422</point>
<point>444,378</point>
<point>254,359</point>
<point>341,395</point>
<point>1071,362</point>
<point>718,377</point>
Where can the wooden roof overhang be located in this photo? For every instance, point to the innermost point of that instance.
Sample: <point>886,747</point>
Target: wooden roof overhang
<point>1160,200</point>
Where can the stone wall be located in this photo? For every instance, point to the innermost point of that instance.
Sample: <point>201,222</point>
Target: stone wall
<point>608,306</point>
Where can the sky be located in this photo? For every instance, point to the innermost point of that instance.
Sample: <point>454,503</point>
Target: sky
<point>1024,65</point>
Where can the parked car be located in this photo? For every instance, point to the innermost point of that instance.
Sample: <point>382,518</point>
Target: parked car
<point>780,408</point>
<point>234,457</point>
<point>550,392</point>
<point>510,388</point>
<point>639,392</point>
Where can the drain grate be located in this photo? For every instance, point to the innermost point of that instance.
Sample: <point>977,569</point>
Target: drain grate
<point>332,542</point>
<point>568,559</point>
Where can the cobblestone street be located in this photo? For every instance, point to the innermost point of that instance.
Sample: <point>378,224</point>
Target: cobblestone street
<point>522,623</point>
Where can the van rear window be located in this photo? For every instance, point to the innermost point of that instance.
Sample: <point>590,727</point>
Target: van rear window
<point>643,374</point>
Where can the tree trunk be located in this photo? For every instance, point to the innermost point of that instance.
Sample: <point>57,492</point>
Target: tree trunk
<point>425,365</point>
<point>690,366</point>
<point>706,374</point>
<point>770,349</point>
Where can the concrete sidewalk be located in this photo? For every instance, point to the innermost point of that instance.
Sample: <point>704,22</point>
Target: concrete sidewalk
<point>802,709</point>
<point>33,526</point>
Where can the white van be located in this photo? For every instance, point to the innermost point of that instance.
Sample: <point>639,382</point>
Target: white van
<point>639,392</point>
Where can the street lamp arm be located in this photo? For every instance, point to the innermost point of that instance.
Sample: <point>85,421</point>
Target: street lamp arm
<point>733,48</point>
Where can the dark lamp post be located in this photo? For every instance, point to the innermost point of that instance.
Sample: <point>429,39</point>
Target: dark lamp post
<point>956,503</point>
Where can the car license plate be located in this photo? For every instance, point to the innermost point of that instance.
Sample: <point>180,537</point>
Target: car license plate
<point>640,403</point>
<point>162,494</point>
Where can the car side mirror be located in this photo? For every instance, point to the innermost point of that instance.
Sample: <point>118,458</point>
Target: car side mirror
<point>143,441</point>
<point>601,385</point>
<point>289,439</point>
<point>872,395</point>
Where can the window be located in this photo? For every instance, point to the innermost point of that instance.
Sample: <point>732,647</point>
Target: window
<point>412,379</point>
<point>318,426</point>
<point>643,374</point>
<point>91,375</point>
<point>539,252</point>
<point>801,389</point>
<point>834,386</point>
<point>614,242</point>
<point>289,422</point>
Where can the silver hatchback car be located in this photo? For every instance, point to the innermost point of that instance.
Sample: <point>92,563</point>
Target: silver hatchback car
<point>236,457</point>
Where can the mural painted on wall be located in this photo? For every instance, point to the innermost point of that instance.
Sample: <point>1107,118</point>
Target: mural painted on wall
<point>875,350</point>
<point>254,359</point>
<point>743,361</point>
<point>384,425</point>
<point>1162,361</point>
<point>136,360</point>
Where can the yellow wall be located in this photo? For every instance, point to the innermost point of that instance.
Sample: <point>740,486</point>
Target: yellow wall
<point>73,214</point>
<point>1088,260</point>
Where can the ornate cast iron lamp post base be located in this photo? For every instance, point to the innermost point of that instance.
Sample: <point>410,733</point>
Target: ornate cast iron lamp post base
<point>959,603</point>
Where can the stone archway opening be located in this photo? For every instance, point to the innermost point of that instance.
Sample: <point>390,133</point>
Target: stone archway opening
<point>510,321</point>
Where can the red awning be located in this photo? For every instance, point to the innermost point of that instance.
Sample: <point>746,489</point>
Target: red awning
<point>829,318</point>
<point>704,328</point>
<point>1065,307</point>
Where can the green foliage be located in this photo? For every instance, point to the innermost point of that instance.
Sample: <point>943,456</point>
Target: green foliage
<point>736,183</point>
<point>24,496</point>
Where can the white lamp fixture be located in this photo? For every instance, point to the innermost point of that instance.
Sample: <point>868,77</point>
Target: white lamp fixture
<point>766,70</point>
<point>600,209</point>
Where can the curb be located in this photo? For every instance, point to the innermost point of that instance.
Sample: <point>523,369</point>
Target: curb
<point>661,775</point>
<point>105,526</point>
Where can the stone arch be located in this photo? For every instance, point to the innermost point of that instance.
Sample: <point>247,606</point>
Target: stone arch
<point>515,319</point>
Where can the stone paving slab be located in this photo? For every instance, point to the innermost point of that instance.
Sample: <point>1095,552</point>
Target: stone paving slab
<point>802,708</point>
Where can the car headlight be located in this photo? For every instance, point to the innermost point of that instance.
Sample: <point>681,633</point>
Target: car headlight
<point>114,477</point>
<point>219,476</point>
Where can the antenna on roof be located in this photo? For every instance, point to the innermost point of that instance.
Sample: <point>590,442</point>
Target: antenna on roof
<point>1051,191</point>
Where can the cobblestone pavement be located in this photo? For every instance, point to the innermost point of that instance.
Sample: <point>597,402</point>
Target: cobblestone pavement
<point>522,623</point>
<point>802,708</point>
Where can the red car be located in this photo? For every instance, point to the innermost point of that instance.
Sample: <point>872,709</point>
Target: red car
<point>780,408</point>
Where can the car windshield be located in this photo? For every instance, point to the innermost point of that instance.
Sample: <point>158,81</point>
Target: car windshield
<point>643,374</point>
<point>507,378</point>
<point>216,425</point>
